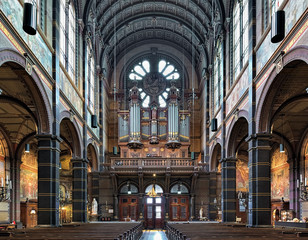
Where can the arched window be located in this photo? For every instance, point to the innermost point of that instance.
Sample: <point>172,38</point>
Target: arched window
<point>91,79</point>
<point>240,37</point>
<point>68,37</point>
<point>129,189</point>
<point>217,78</point>
<point>179,189</point>
<point>153,77</point>
<point>158,189</point>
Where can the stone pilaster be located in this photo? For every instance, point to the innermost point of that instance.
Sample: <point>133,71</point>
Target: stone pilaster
<point>48,180</point>
<point>228,170</point>
<point>79,190</point>
<point>192,207</point>
<point>259,203</point>
<point>116,207</point>
<point>141,206</point>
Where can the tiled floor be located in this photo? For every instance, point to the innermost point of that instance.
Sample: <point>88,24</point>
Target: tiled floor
<point>153,235</point>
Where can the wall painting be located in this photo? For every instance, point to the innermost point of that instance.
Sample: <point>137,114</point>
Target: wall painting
<point>28,176</point>
<point>280,176</point>
<point>242,175</point>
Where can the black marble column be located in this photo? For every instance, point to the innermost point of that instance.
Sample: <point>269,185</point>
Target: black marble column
<point>48,180</point>
<point>212,206</point>
<point>259,203</point>
<point>79,190</point>
<point>228,180</point>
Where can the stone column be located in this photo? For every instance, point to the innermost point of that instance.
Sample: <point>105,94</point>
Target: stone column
<point>116,207</point>
<point>228,175</point>
<point>259,203</point>
<point>167,206</point>
<point>79,190</point>
<point>141,207</point>
<point>213,206</point>
<point>192,207</point>
<point>48,180</point>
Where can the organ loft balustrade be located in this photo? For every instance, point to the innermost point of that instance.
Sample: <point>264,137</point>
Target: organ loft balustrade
<point>147,164</point>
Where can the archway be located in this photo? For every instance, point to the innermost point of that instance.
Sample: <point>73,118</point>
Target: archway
<point>154,207</point>
<point>238,151</point>
<point>215,185</point>
<point>128,201</point>
<point>283,106</point>
<point>93,186</point>
<point>70,151</point>
<point>179,202</point>
<point>25,112</point>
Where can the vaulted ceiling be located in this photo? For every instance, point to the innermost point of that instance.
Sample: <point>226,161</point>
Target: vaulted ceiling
<point>190,26</point>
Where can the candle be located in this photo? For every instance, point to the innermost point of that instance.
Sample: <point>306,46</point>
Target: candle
<point>7,179</point>
<point>10,184</point>
<point>2,182</point>
<point>305,181</point>
<point>297,183</point>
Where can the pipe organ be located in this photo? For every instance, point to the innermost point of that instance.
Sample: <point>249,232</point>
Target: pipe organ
<point>134,120</point>
<point>173,119</point>
<point>154,130</point>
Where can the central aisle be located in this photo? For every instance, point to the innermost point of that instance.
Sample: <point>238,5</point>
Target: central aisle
<point>153,235</point>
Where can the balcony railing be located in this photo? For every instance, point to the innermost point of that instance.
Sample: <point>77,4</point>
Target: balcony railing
<point>155,162</point>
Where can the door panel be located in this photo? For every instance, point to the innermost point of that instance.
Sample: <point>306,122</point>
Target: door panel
<point>154,213</point>
<point>179,207</point>
<point>128,207</point>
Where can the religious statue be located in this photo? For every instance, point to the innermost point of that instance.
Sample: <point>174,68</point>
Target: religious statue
<point>201,212</point>
<point>94,207</point>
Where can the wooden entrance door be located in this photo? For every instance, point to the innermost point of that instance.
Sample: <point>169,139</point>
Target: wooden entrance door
<point>128,208</point>
<point>154,212</point>
<point>179,208</point>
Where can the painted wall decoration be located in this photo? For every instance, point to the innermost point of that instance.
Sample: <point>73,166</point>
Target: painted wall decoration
<point>14,12</point>
<point>2,163</point>
<point>280,176</point>
<point>69,91</point>
<point>293,11</point>
<point>242,175</point>
<point>65,162</point>
<point>28,176</point>
<point>239,89</point>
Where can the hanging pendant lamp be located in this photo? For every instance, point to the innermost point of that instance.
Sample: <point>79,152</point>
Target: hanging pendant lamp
<point>29,18</point>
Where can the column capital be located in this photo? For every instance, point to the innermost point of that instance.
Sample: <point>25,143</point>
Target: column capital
<point>228,159</point>
<point>48,137</point>
<point>259,136</point>
<point>78,160</point>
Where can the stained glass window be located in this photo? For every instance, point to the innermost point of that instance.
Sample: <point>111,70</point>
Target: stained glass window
<point>68,37</point>
<point>91,80</point>
<point>143,68</point>
<point>217,78</point>
<point>240,36</point>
